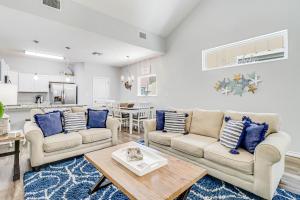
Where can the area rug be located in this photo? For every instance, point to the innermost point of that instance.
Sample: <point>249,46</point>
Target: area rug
<point>72,179</point>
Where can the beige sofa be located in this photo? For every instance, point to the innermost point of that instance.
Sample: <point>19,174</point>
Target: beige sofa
<point>259,173</point>
<point>57,147</point>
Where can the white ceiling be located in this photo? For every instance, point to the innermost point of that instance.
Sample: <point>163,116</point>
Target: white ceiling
<point>19,29</point>
<point>156,16</point>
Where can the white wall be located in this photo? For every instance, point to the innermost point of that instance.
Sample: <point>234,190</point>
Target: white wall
<point>182,83</point>
<point>84,73</point>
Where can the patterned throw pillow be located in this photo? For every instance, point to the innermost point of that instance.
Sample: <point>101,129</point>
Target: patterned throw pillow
<point>232,134</point>
<point>175,122</point>
<point>74,121</point>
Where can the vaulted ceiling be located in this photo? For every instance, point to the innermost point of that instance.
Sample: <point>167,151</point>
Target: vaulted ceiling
<point>110,27</point>
<point>157,16</point>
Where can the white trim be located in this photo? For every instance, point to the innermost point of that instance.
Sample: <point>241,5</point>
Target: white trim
<point>283,33</point>
<point>293,154</point>
<point>138,86</point>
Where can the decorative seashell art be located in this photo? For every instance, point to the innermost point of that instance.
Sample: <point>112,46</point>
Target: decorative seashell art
<point>239,84</point>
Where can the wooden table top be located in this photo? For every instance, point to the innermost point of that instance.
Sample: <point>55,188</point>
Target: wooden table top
<point>167,182</point>
<point>6,138</point>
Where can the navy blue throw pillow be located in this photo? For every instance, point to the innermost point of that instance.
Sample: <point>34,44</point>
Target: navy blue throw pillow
<point>96,118</point>
<point>254,134</point>
<point>50,123</point>
<point>160,120</point>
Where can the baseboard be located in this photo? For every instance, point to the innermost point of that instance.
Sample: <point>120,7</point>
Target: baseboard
<point>293,154</point>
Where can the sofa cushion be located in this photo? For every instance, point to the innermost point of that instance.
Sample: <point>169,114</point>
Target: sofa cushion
<point>271,119</point>
<point>207,123</point>
<point>61,141</point>
<point>192,144</point>
<point>244,161</point>
<point>79,109</point>
<point>162,138</point>
<point>95,134</point>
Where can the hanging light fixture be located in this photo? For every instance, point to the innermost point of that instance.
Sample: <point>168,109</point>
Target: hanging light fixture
<point>128,82</point>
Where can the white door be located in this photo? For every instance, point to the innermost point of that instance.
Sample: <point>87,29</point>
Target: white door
<point>101,87</point>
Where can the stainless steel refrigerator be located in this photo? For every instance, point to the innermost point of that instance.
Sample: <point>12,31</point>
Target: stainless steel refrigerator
<point>63,93</point>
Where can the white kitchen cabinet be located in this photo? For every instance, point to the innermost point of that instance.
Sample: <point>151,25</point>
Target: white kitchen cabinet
<point>26,82</point>
<point>41,84</point>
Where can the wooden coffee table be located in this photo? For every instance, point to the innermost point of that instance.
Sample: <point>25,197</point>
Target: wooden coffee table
<point>16,152</point>
<point>172,181</point>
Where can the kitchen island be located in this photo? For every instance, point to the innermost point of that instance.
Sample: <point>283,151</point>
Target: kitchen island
<point>21,112</point>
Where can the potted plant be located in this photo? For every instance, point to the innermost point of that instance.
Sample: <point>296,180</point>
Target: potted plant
<point>1,110</point>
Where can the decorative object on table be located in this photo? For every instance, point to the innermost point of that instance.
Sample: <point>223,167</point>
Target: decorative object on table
<point>4,124</point>
<point>14,134</point>
<point>128,82</point>
<point>150,159</point>
<point>96,118</point>
<point>239,84</point>
<point>50,123</point>
<point>1,109</point>
<point>134,154</point>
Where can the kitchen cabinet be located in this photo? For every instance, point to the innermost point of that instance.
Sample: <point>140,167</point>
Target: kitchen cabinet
<point>27,83</point>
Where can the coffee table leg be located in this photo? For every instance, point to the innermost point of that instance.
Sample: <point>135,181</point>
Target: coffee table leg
<point>100,185</point>
<point>16,161</point>
<point>184,195</point>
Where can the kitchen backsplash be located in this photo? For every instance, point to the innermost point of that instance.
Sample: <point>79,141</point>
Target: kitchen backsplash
<point>29,98</point>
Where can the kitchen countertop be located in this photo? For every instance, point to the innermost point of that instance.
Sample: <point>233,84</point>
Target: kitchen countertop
<point>32,106</point>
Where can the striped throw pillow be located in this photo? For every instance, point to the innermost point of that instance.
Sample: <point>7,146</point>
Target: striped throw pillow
<point>74,121</point>
<point>175,122</point>
<point>232,133</point>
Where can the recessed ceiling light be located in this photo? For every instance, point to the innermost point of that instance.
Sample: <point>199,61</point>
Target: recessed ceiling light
<point>95,53</point>
<point>36,41</point>
<point>44,55</point>
<point>68,48</point>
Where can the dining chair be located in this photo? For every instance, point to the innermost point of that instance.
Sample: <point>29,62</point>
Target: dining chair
<point>138,119</point>
<point>122,117</point>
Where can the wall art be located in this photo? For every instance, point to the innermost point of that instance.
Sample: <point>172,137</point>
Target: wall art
<point>239,84</point>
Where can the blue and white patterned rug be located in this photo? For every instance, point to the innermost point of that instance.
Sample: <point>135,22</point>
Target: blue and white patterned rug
<point>72,179</point>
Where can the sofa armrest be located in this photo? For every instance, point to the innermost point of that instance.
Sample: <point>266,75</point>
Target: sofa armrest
<point>149,125</point>
<point>113,124</point>
<point>269,163</point>
<point>35,136</point>
<point>273,148</point>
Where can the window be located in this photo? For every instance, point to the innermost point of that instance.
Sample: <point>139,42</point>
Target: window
<point>147,85</point>
<point>264,48</point>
